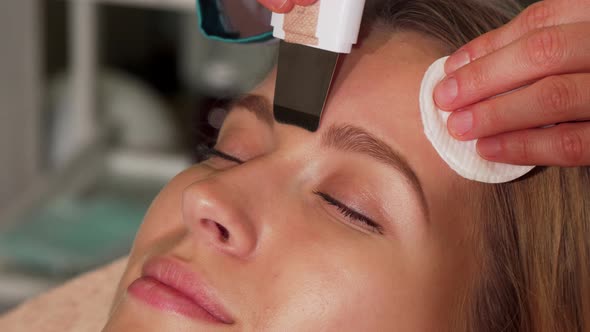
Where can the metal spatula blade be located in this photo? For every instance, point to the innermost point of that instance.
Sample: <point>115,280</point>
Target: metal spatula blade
<point>304,78</point>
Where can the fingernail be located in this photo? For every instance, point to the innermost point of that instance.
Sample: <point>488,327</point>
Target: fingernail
<point>279,4</point>
<point>461,122</point>
<point>456,61</point>
<point>446,92</point>
<point>489,147</point>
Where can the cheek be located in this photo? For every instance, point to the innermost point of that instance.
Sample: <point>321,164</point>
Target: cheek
<point>359,288</point>
<point>338,288</point>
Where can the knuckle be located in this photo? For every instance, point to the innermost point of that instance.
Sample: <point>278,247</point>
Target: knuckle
<point>477,78</point>
<point>545,48</point>
<point>537,16</point>
<point>521,146</point>
<point>556,96</point>
<point>492,116</point>
<point>572,147</point>
<point>485,45</point>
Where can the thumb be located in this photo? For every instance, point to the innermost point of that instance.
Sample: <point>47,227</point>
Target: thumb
<point>304,2</point>
<point>279,6</point>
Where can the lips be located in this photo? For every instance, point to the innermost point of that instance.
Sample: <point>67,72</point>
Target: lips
<point>169,286</point>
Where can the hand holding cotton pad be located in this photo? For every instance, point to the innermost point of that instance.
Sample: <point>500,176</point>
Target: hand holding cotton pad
<point>461,156</point>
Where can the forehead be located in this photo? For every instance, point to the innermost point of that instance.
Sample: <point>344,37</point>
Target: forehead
<point>377,87</point>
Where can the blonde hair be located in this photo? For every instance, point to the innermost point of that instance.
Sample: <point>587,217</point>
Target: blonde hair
<point>536,254</point>
<point>533,234</point>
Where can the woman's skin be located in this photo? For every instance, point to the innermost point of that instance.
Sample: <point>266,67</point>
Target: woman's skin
<point>544,51</point>
<point>292,261</point>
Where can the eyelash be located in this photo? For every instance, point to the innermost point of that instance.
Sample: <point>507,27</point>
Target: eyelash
<point>350,213</point>
<point>204,152</point>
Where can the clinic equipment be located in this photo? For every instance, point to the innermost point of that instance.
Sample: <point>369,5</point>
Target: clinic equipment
<point>312,38</point>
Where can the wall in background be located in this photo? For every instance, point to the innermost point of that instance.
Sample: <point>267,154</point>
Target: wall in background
<point>19,96</point>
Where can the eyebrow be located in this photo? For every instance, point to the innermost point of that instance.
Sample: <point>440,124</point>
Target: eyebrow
<point>256,104</point>
<point>346,138</point>
<point>354,139</point>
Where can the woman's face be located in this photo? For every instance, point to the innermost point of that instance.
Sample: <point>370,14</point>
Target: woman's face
<point>357,227</point>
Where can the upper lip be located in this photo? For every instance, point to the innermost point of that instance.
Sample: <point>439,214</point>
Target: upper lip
<point>177,276</point>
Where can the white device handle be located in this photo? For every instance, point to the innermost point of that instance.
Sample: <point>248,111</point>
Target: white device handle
<point>331,25</point>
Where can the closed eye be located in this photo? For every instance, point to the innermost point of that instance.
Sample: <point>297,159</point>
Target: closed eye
<point>352,215</point>
<point>355,217</point>
<point>204,152</point>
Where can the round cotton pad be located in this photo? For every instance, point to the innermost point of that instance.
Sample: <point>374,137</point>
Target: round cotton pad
<point>461,156</point>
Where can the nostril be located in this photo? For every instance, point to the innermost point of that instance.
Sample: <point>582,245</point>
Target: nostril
<point>223,232</point>
<point>216,229</point>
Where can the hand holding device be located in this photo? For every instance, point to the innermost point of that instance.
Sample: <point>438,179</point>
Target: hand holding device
<point>284,6</point>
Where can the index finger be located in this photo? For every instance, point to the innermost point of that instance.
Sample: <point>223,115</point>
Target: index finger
<point>304,2</point>
<point>285,6</point>
<point>278,6</point>
<point>539,15</point>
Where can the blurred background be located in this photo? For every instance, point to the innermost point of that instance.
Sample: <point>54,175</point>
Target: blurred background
<point>101,103</point>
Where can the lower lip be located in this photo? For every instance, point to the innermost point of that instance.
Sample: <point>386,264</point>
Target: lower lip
<point>165,298</point>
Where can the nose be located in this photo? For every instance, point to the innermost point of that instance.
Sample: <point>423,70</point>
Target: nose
<point>217,216</point>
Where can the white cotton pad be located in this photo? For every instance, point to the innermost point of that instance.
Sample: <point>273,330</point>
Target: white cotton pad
<point>461,156</point>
